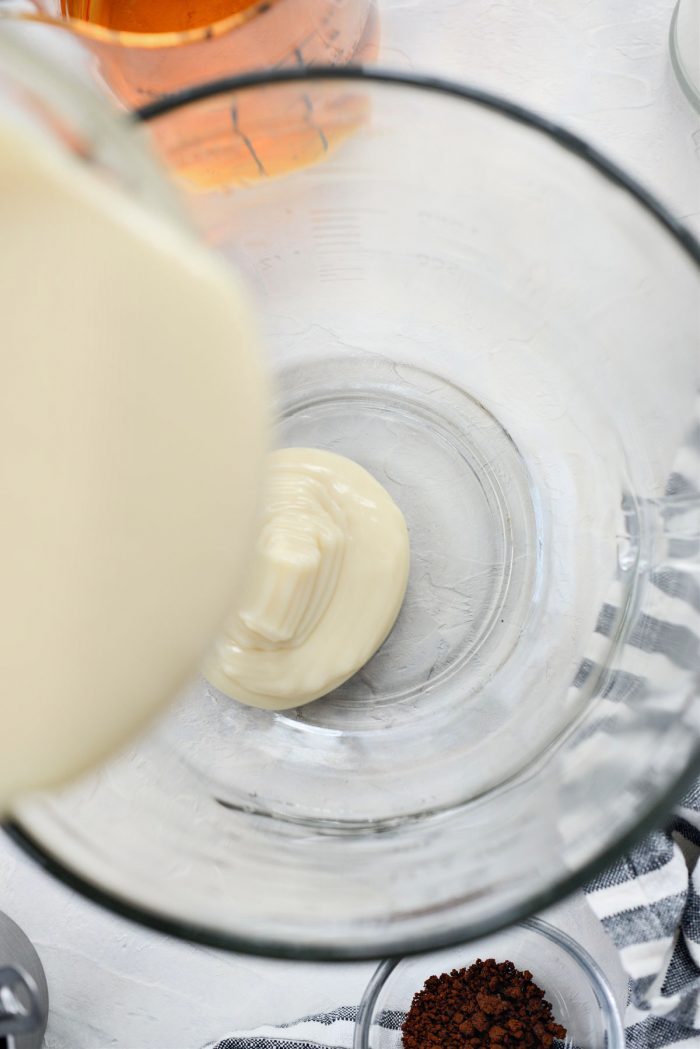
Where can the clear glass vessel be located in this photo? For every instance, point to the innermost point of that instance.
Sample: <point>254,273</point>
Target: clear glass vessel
<point>178,44</point>
<point>502,327</point>
<point>684,42</point>
<point>574,985</point>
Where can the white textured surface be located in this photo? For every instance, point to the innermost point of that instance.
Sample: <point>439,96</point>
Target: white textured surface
<point>603,68</point>
<point>113,984</point>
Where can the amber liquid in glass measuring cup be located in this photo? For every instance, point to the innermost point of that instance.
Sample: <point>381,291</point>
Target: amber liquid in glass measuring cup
<point>155,47</point>
<point>156,16</point>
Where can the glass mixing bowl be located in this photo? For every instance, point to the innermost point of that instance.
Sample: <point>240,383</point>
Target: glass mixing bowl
<point>502,327</point>
<point>582,1000</point>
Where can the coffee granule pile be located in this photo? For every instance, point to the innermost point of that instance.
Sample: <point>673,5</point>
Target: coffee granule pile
<point>490,1004</point>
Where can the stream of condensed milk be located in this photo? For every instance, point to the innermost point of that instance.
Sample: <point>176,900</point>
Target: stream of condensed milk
<point>133,430</point>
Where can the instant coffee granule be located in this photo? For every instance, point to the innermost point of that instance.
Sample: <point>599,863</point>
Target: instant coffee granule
<point>489,1004</point>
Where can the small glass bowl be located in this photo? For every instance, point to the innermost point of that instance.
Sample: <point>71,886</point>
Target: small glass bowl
<point>578,991</point>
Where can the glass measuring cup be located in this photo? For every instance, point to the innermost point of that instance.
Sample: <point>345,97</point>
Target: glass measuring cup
<point>140,66</point>
<point>135,68</point>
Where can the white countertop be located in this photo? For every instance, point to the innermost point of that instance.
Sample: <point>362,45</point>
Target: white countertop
<point>114,984</point>
<point>603,68</point>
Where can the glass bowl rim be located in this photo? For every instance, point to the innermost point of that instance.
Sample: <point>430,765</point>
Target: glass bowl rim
<point>597,980</point>
<point>465,92</point>
<point>194,932</point>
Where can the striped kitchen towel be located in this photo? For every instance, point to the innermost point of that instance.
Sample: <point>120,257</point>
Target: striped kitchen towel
<point>648,902</point>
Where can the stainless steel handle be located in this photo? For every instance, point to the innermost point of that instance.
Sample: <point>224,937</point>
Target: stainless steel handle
<point>20,1011</point>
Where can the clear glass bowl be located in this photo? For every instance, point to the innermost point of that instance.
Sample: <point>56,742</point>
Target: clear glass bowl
<point>577,989</point>
<point>502,327</point>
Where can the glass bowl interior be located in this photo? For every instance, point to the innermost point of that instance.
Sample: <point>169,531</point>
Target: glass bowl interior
<point>501,327</point>
<point>576,988</point>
